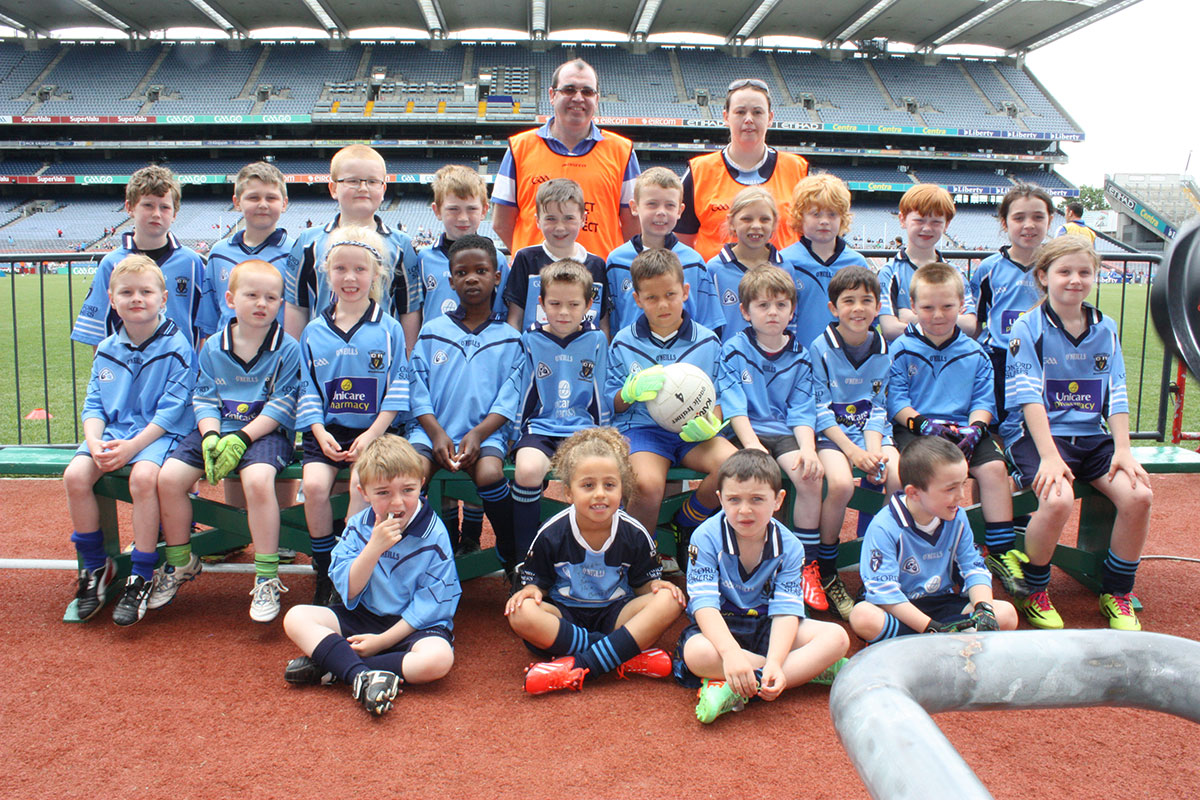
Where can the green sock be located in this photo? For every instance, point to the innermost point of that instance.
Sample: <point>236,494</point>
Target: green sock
<point>178,555</point>
<point>266,566</point>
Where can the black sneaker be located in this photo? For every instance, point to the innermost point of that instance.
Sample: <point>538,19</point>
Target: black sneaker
<point>132,605</point>
<point>303,671</point>
<point>376,689</point>
<point>325,594</point>
<point>93,589</point>
<point>466,547</point>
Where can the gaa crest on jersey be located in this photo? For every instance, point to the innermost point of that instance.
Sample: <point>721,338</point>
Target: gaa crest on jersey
<point>911,566</point>
<point>1014,345</point>
<point>913,369</point>
<point>626,285</point>
<point>933,584</point>
<point>1101,362</point>
<point>224,275</point>
<point>181,286</point>
<point>439,357</point>
<point>430,283</point>
<point>730,298</point>
<point>542,370</point>
<point>106,375</point>
<point>376,359</point>
<point>876,559</point>
<point>586,368</point>
<point>876,386</point>
<point>693,553</point>
<point>746,376</point>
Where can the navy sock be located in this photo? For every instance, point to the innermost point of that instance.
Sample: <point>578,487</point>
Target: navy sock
<point>527,517</point>
<point>90,546</point>
<point>571,640</point>
<point>392,662</point>
<point>498,505</point>
<point>472,522</point>
<point>322,553</point>
<point>827,556</point>
<point>1037,577</point>
<point>334,654</point>
<point>810,538</point>
<point>142,563</point>
<point>891,628</point>
<point>1119,574</point>
<point>610,652</point>
<point>999,537</point>
<point>692,513</point>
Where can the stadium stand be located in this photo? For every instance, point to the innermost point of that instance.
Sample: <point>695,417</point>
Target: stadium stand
<point>20,67</point>
<point>97,79</point>
<point>963,176</point>
<point>224,73</point>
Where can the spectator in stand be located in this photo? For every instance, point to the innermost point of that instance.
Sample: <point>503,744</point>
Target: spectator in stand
<point>1074,225</point>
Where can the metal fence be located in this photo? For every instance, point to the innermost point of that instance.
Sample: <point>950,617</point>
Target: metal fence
<point>49,371</point>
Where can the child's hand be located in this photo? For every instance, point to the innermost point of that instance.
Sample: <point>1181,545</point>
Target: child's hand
<point>96,449</point>
<point>115,454</point>
<point>739,674</point>
<point>969,437</point>
<point>329,446</point>
<point>701,429</point>
<point>443,452</point>
<point>208,447</point>
<point>468,449</point>
<point>365,644</point>
<point>1123,461</point>
<point>1052,476</point>
<point>643,385</point>
<point>773,681</point>
<point>530,591</point>
<point>809,464</point>
<point>386,533</point>
<point>228,454</point>
<point>865,461</point>
<point>360,443</point>
<point>666,586</point>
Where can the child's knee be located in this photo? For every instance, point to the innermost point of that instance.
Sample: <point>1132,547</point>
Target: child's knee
<point>991,474</point>
<point>866,620</point>
<point>429,664</point>
<point>258,488</point>
<point>143,480</point>
<point>78,478</point>
<point>316,489</point>
<point>1006,614</point>
<point>1056,505</point>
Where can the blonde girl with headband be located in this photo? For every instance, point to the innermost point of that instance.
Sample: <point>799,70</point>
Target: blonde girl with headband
<point>354,384</point>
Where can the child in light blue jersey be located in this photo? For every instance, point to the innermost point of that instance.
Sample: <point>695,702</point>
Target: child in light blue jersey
<point>137,406</point>
<point>395,569</point>
<point>665,334</point>
<point>245,414</point>
<point>554,388</point>
<point>1069,420</point>
<point>820,213</point>
<point>753,218</point>
<point>460,364</point>
<point>850,374</point>
<point>152,200</point>
<point>766,391</point>
<point>260,193</point>
<point>657,202</point>
<point>920,569</point>
<point>941,385</point>
<point>357,180</point>
<point>355,380</point>
<point>748,635</point>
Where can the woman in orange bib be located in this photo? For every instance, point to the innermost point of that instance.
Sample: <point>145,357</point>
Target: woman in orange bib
<point>714,178</point>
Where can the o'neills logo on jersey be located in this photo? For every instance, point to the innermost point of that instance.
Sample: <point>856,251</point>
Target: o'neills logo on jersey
<point>351,396</point>
<point>1079,395</point>
<point>239,411</point>
<point>852,414</point>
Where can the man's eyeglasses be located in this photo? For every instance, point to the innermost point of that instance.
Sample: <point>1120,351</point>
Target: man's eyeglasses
<point>571,90</point>
<point>751,82</point>
<point>370,183</point>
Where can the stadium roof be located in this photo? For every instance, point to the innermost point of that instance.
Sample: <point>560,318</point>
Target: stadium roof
<point>1015,26</point>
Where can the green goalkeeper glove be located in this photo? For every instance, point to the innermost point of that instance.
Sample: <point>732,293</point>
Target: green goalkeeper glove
<point>644,385</point>
<point>984,617</point>
<point>208,446</point>
<point>701,429</point>
<point>229,452</point>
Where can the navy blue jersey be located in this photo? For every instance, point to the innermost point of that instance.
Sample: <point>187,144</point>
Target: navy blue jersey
<point>727,273</point>
<point>1081,382</point>
<point>308,284</point>
<point>901,562</point>
<point>187,305</point>
<point>895,281</point>
<point>812,276</point>
<point>524,285</point>
<point>227,254</point>
<point>457,373</point>
<point>773,390</point>
<point>1003,290</point>
<point>570,573</point>
<point>439,297</point>
<point>850,395</point>
<point>234,392</point>
<point>702,294</point>
<point>717,579</point>
<point>555,386</point>
<point>634,348</point>
<point>414,579</point>
<point>349,377</point>
<point>945,382</point>
<point>133,386</point>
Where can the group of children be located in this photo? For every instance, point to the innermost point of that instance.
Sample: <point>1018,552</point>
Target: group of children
<point>348,337</point>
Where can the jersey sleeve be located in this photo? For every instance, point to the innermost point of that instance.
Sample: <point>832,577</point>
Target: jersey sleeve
<point>787,587</point>
<point>91,326</point>
<point>618,370</point>
<point>517,285</point>
<point>310,409</point>
<point>418,387</point>
<point>729,384</point>
<point>877,420</point>
<point>436,596</point>
<point>708,305</point>
<point>93,401</point>
<point>284,390</point>
<point>888,294</point>
<point>211,300</point>
<point>703,572</point>
<point>504,190</point>
<point>983,394</point>
<point>206,402</point>
<point>296,278</point>
<point>174,405</point>
<point>1023,383</point>
<point>538,566</point>
<point>688,222</point>
<point>966,555</point>
<point>397,397</point>
<point>508,401</point>
<point>406,280</point>
<point>822,397</point>
<point>801,408</point>
<point>968,296</point>
<point>1118,399</point>
<point>599,378</point>
<point>645,566</point>
<point>898,397</point>
<point>347,549</point>
<point>879,565</point>
<point>632,169</point>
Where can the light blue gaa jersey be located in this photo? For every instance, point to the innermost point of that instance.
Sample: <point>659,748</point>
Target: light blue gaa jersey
<point>227,254</point>
<point>1003,290</point>
<point>524,284</point>
<point>349,377</point>
<point>900,562</point>
<point>944,383</point>
<point>851,395</point>
<point>773,390</point>
<point>555,386</point>
<point>308,285</point>
<point>717,579</point>
<point>439,297</point>
<point>457,374</point>
<point>812,276</point>
<point>1081,382</point>
<point>133,386</point>
<point>570,573</point>
<point>895,281</point>
<point>415,578</point>
<point>187,305</point>
<point>234,392</point>
<point>702,294</point>
<point>727,273</point>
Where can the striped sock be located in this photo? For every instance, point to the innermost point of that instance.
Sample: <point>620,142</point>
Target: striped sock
<point>1119,574</point>
<point>571,640</point>
<point>692,513</point>
<point>891,629</point>
<point>178,555</point>
<point>142,563</point>
<point>472,522</point>
<point>90,546</point>
<point>266,566</point>
<point>610,652</point>
<point>498,505</point>
<point>1037,576</point>
<point>827,556</point>
<point>998,537</point>
<point>527,517</point>
<point>810,538</point>
<point>322,552</point>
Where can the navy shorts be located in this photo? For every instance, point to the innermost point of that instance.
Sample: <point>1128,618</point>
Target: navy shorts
<point>661,442</point>
<point>999,356</point>
<point>1089,457</point>
<point>778,446</point>
<point>360,620</point>
<point>943,608</point>
<point>538,441</point>
<point>598,619</point>
<point>426,452</point>
<point>752,632</point>
<point>275,449</point>
<point>313,452</point>
<point>986,449</point>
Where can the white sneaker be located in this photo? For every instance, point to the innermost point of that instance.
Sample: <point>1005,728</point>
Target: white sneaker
<point>264,600</point>
<point>168,579</point>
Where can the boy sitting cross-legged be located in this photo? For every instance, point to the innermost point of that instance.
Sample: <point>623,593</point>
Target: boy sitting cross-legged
<point>395,569</point>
